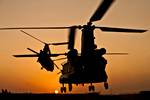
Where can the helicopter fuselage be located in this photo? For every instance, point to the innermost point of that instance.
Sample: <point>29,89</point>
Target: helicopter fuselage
<point>45,61</point>
<point>89,67</point>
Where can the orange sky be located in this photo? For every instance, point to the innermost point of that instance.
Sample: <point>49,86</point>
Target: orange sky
<point>126,73</point>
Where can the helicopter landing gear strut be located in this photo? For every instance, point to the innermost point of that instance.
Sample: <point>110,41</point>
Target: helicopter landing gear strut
<point>63,89</point>
<point>70,87</point>
<point>91,87</point>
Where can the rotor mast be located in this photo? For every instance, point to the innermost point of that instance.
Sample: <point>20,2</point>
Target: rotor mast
<point>88,45</point>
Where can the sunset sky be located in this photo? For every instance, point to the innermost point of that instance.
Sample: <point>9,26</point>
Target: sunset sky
<point>126,74</point>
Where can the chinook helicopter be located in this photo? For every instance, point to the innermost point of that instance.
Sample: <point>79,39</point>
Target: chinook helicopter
<point>44,56</point>
<point>88,66</point>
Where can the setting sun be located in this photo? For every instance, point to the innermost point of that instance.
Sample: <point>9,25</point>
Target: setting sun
<point>56,91</point>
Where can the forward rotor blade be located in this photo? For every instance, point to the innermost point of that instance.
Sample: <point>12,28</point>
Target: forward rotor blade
<point>55,55</point>
<point>60,59</point>
<point>101,10</point>
<point>57,66</point>
<point>61,43</point>
<point>27,55</point>
<point>32,36</point>
<point>112,29</point>
<point>15,28</point>
<point>33,51</point>
<point>116,53</point>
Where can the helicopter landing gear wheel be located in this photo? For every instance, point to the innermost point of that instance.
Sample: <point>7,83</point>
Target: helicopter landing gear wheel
<point>106,85</point>
<point>63,89</point>
<point>70,87</point>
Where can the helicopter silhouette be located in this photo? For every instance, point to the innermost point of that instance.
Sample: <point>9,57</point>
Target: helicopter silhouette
<point>88,66</point>
<point>44,56</point>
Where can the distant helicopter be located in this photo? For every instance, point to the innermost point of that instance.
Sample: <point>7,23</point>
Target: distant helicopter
<point>44,56</point>
<point>88,66</point>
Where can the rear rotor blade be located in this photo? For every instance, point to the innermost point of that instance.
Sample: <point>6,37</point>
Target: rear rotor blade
<point>36,55</point>
<point>60,59</point>
<point>61,43</point>
<point>33,51</point>
<point>55,55</point>
<point>112,29</point>
<point>32,36</point>
<point>116,53</point>
<point>101,10</point>
<point>26,55</point>
<point>15,28</point>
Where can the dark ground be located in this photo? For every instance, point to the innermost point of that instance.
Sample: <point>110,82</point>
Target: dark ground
<point>91,96</point>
